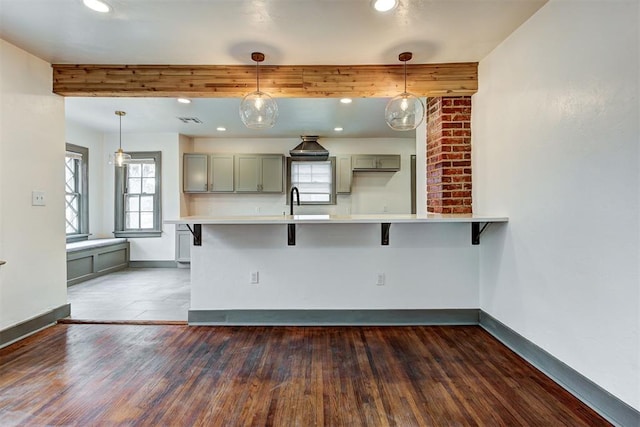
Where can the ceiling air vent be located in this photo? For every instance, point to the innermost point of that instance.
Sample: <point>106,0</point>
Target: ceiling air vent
<point>190,120</point>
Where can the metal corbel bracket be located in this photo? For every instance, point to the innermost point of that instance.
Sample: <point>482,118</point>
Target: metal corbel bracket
<point>385,226</point>
<point>291,234</point>
<point>196,232</point>
<point>476,231</point>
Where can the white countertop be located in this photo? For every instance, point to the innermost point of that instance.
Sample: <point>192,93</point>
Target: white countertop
<point>337,219</point>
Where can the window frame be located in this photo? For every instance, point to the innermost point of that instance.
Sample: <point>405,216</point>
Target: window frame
<point>83,193</point>
<point>120,194</point>
<point>332,195</point>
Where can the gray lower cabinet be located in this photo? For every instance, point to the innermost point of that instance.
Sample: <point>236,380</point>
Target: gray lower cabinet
<point>183,243</point>
<point>204,173</point>
<point>259,173</point>
<point>376,162</point>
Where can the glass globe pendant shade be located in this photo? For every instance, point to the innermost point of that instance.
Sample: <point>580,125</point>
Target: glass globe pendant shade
<point>258,110</point>
<point>119,158</point>
<point>404,112</point>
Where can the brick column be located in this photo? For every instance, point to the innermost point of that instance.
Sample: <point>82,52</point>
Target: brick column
<point>449,154</point>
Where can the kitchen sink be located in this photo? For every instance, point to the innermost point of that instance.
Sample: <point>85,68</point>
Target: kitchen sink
<point>311,217</point>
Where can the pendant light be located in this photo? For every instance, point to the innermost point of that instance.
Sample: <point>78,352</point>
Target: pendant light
<point>405,111</point>
<point>120,158</point>
<point>258,110</point>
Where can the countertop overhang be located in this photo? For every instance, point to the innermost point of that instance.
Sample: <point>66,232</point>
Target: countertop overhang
<point>385,221</point>
<point>337,219</point>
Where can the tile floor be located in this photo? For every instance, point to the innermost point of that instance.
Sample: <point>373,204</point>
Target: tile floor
<point>133,294</point>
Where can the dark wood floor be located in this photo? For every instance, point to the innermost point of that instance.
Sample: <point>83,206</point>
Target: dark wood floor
<point>373,376</point>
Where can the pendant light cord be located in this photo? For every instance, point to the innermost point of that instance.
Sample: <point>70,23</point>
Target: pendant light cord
<point>405,76</point>
<point>258,76</point>
<point>120,132</point>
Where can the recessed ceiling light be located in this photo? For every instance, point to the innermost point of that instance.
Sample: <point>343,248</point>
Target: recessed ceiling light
<point>346,100</point>
<point>338,129</point>
<point>184,100</point>
<point>221,128</point>
<point>97,5</point>
<point>384,5</point>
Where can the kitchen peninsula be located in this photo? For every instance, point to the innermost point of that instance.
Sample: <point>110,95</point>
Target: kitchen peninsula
<point>340,269</point>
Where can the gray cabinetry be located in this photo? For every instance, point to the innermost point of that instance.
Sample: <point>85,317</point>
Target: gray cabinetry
<point>207,173</point>
<point>221,173</point>
<point>343,174</point>
<point>376,162</point>
<point>258,173</point>
<point>183,243</point>
<point>195,173</point>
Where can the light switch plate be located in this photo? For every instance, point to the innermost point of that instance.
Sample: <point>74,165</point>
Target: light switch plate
<point>37,198</point>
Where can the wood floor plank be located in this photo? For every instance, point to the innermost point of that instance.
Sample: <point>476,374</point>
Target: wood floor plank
<point>177,375</point>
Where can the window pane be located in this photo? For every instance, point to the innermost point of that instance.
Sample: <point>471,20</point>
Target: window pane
<point>146,220</point>
<point>134,169</point>
<point>146,203</point>
<point>314,198</point>
<point>149,185</point>
<point>314,181</point>
<point>71,214</point>
<point>76,210</point>
<point>140,211</point>
<point>132,220</point>
<point>134,186</point>
<point>133,203</point>
<point>149,170</point>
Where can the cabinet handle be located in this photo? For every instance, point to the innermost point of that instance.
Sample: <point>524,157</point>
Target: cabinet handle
<point>205,187</point>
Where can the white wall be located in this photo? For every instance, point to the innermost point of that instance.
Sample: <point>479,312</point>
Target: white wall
<point>32,147</point>
<point>335,266</point>
<point>84,137</point>
<point>371,191</point>
<point>555,143</point>
<point>152,248</point>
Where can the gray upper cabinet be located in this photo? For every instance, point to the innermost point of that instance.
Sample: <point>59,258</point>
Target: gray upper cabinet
<point>195,178</point>
<point>343,174</point>
<point>376,162</point>
<point>208,173</point>
<point>221,173</point>
<point>259,173</point>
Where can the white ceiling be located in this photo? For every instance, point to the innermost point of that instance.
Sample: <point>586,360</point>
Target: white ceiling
<point>288,32</point>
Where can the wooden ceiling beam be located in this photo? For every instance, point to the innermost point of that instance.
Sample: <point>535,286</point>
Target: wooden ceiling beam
<point>304,81</point>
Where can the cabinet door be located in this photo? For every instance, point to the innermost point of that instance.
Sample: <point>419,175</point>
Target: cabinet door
<point>343,174</point>
<point>183,246</point>
<point>221,173</point>
<point>391,161</point>
<point>364,161</point>
<point>194,173</point>
<point>247,173</point>
<point>271,174</point>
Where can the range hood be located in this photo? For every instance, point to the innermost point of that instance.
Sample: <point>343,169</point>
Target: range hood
<point>309,150</point>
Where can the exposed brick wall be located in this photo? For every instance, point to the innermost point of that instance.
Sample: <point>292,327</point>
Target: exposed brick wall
<point>449,154</point>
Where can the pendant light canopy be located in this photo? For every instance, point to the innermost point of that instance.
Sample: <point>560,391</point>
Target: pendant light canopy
<point>120,158</point>
<point>405,111</point>
<point>258,110</point>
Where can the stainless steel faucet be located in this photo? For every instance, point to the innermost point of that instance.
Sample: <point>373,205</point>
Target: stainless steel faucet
<point>291,199</point>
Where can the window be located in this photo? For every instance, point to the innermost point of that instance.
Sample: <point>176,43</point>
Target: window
<point>315,181</point>
<point>138,196</point>
<point>76,167</point>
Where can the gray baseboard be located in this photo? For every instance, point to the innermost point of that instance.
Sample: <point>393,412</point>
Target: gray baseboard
<point>153,264</point>
<point>22,330</point>
<point>610,407</point>
<point>334,317</point>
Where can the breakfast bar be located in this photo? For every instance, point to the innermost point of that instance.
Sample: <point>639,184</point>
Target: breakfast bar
<point>340,269</point>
